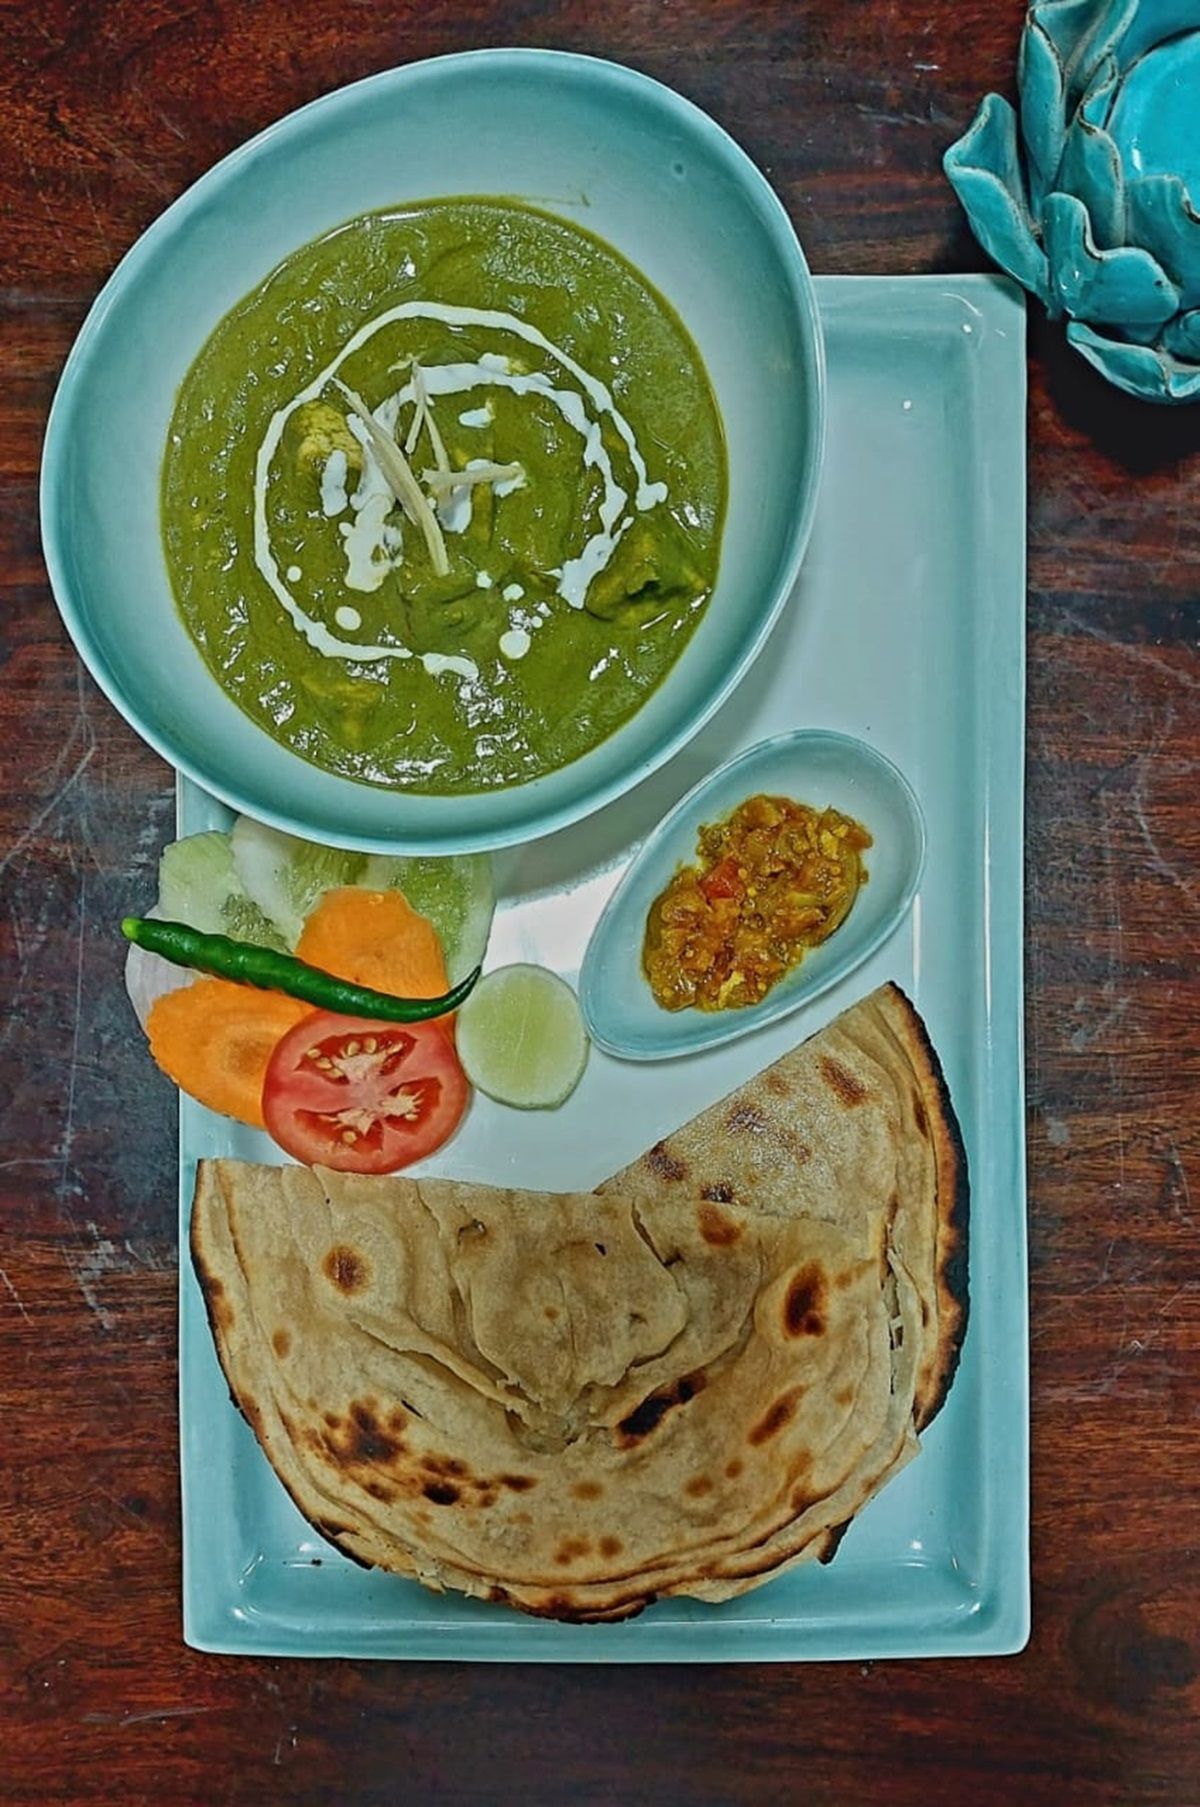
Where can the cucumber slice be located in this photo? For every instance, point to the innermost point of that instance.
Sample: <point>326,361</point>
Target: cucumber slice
<point>279,879</point>
<point>198,884</point>
<point>455,893</point>
<point>285,876</point>
<point>195,880</point>
<point>521,1038</point>
<point>244,921</point>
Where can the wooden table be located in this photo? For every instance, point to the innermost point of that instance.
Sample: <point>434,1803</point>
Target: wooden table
<point>109,110</point>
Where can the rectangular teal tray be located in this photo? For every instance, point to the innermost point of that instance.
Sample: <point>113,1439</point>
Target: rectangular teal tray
<point>907,628</point>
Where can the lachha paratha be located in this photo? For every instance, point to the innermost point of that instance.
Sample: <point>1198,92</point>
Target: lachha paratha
<point>575,1404</point>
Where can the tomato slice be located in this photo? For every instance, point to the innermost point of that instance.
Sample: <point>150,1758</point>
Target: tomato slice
<point>363,1096</point>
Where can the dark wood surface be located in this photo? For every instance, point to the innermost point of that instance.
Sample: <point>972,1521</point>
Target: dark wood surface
<point>109,110</point>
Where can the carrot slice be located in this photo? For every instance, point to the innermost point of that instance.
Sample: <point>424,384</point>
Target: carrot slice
<point>375,938</point>
<point>214,1040</point>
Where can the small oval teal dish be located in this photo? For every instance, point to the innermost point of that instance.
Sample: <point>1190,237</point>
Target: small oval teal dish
<point>814,766</point>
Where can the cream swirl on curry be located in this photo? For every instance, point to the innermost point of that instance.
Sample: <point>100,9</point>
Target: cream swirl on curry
<point>370,554</point>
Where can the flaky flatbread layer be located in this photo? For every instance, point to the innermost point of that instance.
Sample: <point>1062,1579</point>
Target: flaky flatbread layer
<point>577,1403</point>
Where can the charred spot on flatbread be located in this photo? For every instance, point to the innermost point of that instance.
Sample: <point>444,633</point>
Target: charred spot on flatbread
<point>832,1542</point>
<point>842,1083</point>
<point>664,1164</point>
<point>220,1311</point>
<point>647,1417</point>
<point>360,1439</point>
<point>943,1132</point>
<point>717,1229</point>
<point>442,1493</point>
<point>805,1302</point>
<point>745,1118</point>
<point>779,1413</point>
<point>346,1269</point>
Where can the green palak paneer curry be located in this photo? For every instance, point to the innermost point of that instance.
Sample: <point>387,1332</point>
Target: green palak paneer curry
<point>442,498</point>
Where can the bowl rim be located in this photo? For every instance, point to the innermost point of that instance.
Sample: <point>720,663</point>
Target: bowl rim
<point>715,1029</point>
<point>176,215</point>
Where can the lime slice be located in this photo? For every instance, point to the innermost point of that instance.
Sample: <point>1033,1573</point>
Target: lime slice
<point>521,1038</point>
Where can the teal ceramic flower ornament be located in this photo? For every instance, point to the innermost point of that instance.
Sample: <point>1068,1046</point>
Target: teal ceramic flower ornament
<point>1090,197</point>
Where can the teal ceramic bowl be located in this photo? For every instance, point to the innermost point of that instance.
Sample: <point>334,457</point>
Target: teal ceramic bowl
<point>588,140</point>
<point>815,766</point>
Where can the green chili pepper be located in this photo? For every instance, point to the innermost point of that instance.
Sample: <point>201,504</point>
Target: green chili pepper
<point>247,964</point>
